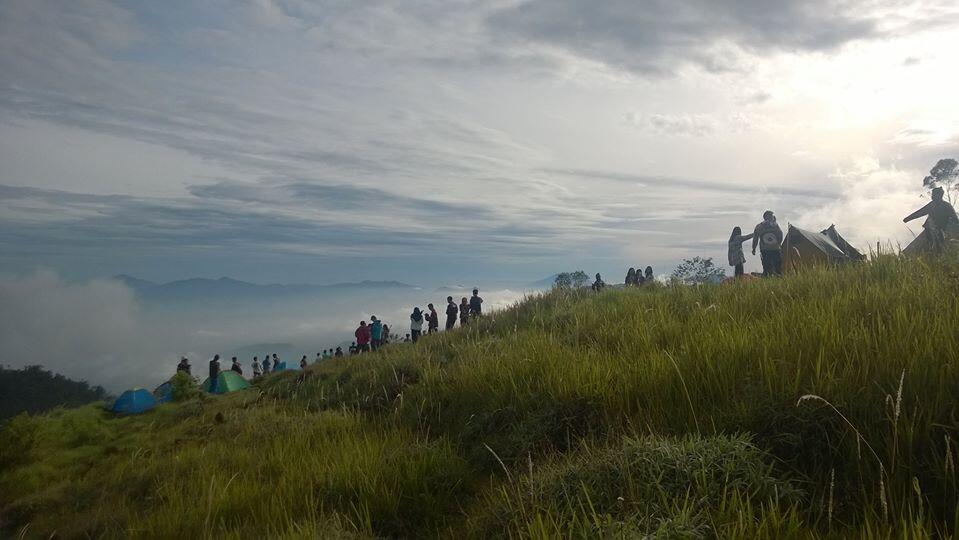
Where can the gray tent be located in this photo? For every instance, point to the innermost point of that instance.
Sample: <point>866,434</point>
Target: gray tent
<point>922,244</point>
<point>847,248</point>
<point>802,248</point>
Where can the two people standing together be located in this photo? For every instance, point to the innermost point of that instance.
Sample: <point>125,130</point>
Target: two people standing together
<point>768,236</point>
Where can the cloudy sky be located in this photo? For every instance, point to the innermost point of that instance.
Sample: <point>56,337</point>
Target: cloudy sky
<point>451,140</point>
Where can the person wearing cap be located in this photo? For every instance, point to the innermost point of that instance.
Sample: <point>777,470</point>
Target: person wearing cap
<point>941,215</point>
<point>769,237</point>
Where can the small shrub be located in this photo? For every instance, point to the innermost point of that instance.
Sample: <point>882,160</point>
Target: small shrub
<point>17,438</point>
<point>184,387</point>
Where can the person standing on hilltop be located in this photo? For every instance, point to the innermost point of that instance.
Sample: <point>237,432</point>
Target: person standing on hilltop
<point>451,312</point>
<point>630,277</point>
<point>941,215</point>
<point>649,278</point>
<point>769,237</point>
<point>235,367</point>
<point>255,366</point>
<point>266,364</point>
<point>736,256</point>
<point>276,362</point>
<point>303,362</point>
<point>476,304</point>
<point>339,352</point>
<point>598,285</point>
<point>214,373</point>
<point>464,311</point>
<point>363,337</point>
<point>376,332</point>
<point>432,319</point>
<point>183,366</point>
<point>416,324</point>
<point>385,340</point>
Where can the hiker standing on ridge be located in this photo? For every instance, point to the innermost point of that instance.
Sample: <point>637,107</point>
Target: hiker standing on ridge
<point>941,215</point>
<point>303,362</point>
<point>630,277</point>
<point>276,363</point>
<point>183,366</point>
<point>363,337</point>
<point>416,324</point>
<point>451,312</point>
<point>376,332</point>
<point>769,237</point>
<point>214,373</point>
<point>649,278</point>
<point>266,364</point>
<point>598,285</point>
<point>476,304</point>
<point>433,319</point>
<point>339,352</point>
<point>736,256</point>
<point>235,367</point>
<point>257,371</point>
<point>385,340</point>
<point>464,311</point>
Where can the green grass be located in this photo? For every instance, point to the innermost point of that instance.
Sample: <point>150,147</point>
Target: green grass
<point>670,412</point>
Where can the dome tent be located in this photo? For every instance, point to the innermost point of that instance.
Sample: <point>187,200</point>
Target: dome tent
<point>164,392</point>
<point>227,381</point>
<point>135,401</point>
<point>802,249</point>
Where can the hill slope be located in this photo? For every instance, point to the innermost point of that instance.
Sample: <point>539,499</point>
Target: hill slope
<point>670,412</point>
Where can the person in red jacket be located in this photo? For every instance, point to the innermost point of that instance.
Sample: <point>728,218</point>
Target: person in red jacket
<point>363,336</point>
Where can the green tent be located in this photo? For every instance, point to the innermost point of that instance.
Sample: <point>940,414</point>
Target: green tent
<point>227,381</point>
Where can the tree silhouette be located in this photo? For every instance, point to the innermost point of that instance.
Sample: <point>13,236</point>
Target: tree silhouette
<point>697,270</point>
<point>944,174</point>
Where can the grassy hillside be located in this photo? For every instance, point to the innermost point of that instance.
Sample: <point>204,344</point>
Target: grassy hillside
<point>669,412</point>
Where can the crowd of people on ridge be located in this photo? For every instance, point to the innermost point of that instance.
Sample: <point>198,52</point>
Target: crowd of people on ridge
<point>368,338</point>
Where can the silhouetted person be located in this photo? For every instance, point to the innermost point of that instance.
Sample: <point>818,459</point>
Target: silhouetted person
<point>214,373</point>
<point>941,214</point>
<point>353,350</point>
<point>386,334</point>
<point>432,319</point>
<point>630,277</point>
<point>303,362</point>
<point>736,256</point>
<point>451,312</point>
<point>339,352</point>
<point>276,362</point>
<point>416,324</point>
<point>255,366</point>
<point>476,304</point>
<point>649,278</point>
<point>376,332</point>
<point>363,337</point>
<point>266,364</point>
<point>598,285</point>
<point>184,366</point>
<point>464,311</point>
<point>769,237</point>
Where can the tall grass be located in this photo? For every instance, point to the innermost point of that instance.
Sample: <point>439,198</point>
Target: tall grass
<point>669,411</point>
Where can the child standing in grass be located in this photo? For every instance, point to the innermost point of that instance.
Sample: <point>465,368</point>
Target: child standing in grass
<point>736,256</point>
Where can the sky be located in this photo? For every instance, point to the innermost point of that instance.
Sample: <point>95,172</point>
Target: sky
<point>457,141</point>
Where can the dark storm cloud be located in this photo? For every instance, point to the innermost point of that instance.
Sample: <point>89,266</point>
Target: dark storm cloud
<point>658,36</point>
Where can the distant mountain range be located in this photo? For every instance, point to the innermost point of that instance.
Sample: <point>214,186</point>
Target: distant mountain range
<point>231,288</point>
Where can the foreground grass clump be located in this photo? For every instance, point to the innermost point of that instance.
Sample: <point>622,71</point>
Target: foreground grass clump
<point>689,404</point>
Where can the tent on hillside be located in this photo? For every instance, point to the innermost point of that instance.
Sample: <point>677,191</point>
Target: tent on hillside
<point>922,244</point>
<point>164,392</point>
<point>847,248</point>
<point>227,381</point>
<point>135,401</point>
<point>803,249</point>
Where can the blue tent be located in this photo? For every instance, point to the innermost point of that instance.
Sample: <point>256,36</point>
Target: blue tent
<point>134,401</point>
<point>164,392</point>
